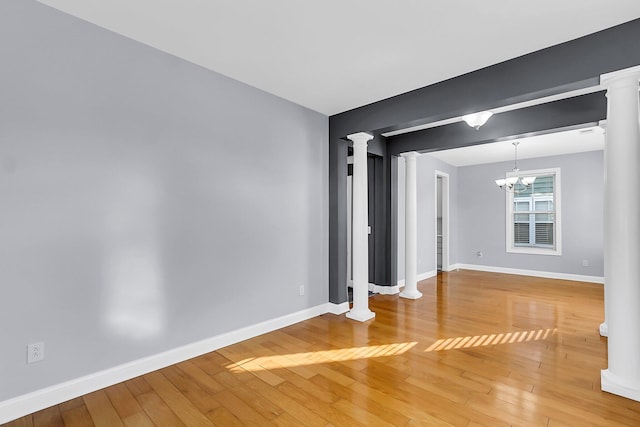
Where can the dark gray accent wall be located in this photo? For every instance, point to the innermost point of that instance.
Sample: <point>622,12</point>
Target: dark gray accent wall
<point>381,245</point>
<point>147,203</point>
<point>338,220</point>
<point>482,215</point>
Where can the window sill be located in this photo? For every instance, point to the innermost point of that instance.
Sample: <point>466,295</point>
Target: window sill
<point>534,251</point>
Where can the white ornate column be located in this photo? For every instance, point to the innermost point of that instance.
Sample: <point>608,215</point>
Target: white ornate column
<point>622,233</point>
<point>360,241</point>
<point>604,326</point>
<point>410,228</point>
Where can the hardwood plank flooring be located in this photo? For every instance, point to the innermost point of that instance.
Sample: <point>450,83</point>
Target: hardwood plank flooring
<point>479,349</point>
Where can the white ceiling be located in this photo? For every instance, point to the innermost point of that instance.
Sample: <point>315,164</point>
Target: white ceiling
<point>335,55</point>
<point>573,141</point>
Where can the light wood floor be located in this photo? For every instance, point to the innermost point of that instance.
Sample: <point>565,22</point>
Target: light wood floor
<point>477,349</point>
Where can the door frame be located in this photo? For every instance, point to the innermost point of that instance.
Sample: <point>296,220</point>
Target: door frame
<point>445,219</point>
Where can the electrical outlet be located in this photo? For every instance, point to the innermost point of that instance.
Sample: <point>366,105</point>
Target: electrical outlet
<point>301,290</point>
<point>585,263</point>
<point>35,352</point>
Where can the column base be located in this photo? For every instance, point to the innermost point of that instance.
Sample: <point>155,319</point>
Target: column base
<point>361,315</point>
<point>615,385</point>
<point>412,294</point>
<point>604,329</point>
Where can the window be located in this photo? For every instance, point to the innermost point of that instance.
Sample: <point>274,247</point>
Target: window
<point>533,215</point>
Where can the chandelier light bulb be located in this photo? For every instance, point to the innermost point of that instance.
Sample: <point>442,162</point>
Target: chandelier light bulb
<point>514,182</point>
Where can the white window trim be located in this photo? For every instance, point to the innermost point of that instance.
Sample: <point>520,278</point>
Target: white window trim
<point>557,251</point>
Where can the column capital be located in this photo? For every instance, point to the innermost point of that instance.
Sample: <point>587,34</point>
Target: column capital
<point>410,155</point>
<point>360,137</point>
<point>625,76</point>
<point>602,124</point>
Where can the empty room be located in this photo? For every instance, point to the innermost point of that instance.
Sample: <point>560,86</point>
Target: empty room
<point>319,213</point>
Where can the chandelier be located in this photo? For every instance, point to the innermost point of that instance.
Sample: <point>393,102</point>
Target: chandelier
<point>514,182</point>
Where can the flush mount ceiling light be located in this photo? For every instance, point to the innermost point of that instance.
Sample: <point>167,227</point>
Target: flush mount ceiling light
<point>476,120</point>
<point>514,182</point>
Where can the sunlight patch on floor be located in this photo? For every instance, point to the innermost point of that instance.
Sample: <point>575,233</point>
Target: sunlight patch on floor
<point>322,356</point>
<point>491,339</point>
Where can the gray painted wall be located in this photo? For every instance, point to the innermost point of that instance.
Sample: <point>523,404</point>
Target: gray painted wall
<point>478,215</point>
<point>146,203</point>
<point>482,215</point>
<point>426,181</point>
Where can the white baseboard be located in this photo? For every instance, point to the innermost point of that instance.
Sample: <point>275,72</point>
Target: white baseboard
<point>338,309</point>
<point>421,276</point>
<point>384,290</point>
<point>380,289</point>
<point>618,385</point>
<point>604,329</point>
<point>453,267</point>
<point>31,402</point>
<point>534,273</point>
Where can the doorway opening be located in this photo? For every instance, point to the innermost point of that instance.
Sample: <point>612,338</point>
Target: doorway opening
<point>442,220</point>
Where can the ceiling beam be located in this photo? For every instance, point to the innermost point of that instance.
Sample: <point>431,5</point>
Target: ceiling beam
<point>569,66</point>
<point>564,114</point>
